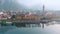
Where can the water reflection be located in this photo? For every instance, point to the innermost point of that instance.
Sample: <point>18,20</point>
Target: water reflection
<point>35,25</point>
<point>4,29</point>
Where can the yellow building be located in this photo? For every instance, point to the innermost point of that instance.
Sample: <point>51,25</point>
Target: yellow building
<point>27,17</point>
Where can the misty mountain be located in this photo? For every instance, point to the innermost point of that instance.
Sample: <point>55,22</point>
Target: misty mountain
<point>11,5</point>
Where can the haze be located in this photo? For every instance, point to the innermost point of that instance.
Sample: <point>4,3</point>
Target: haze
<point>49,4</point>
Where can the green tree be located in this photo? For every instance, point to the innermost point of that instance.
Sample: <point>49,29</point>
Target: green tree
<point>13,17</point>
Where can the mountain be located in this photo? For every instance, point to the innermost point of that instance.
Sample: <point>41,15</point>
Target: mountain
<point>10,5</point>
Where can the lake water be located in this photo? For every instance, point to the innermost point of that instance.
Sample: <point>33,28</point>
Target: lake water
<point>42,28</point>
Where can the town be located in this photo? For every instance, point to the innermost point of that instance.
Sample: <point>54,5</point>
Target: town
<point>24,15</point>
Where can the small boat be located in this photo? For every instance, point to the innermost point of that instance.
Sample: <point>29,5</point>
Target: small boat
<point>6,23</point>
<point>44,20</point>
<point>9,22</point>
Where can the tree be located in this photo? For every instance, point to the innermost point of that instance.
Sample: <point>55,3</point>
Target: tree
<point>13,17</point>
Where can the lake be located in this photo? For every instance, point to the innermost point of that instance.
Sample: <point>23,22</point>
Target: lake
<point>42,28</point>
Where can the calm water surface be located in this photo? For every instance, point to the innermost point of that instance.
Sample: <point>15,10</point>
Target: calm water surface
<point>42,28</point>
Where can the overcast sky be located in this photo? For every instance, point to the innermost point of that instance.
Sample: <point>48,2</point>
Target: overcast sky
<point>49,4</point>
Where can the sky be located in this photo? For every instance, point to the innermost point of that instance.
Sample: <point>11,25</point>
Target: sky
<point>49,4</point>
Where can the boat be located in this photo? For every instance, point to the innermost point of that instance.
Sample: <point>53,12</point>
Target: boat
<point>44,20</point>
<point>6,23</point>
